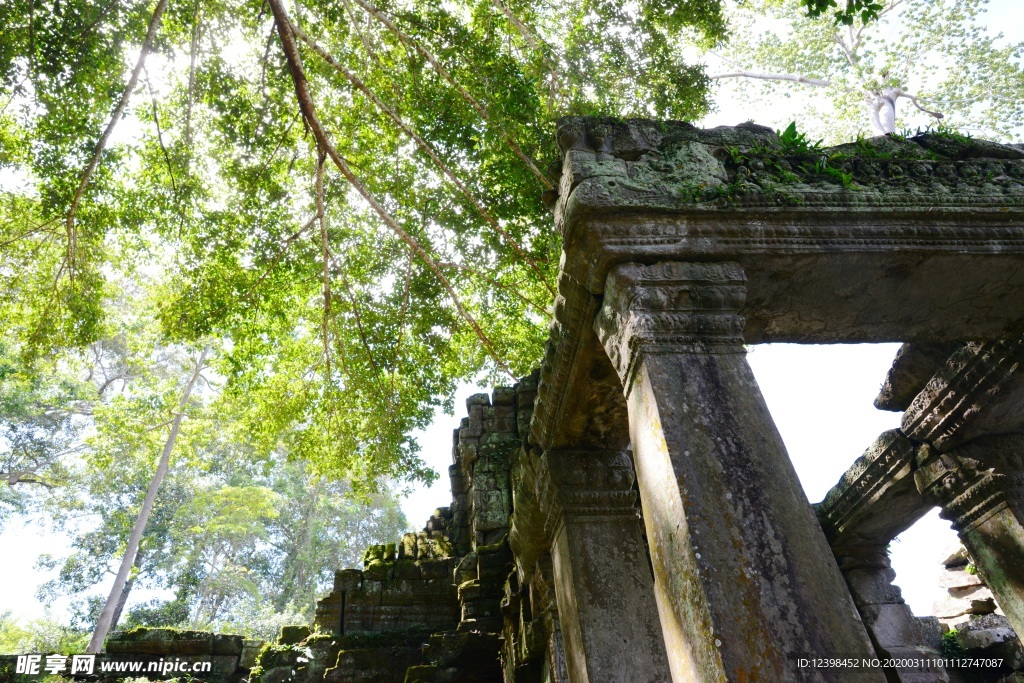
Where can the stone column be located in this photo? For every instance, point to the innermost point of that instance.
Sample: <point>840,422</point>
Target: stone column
<point>745,580</point>
<point>980,486</point>
<point>894,630</point>
<point>603,581</point>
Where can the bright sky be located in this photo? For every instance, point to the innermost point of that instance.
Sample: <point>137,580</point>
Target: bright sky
<point>820,396</point>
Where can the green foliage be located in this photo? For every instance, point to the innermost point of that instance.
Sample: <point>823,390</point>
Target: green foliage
<point>795,142</point>
<point>938,51</point>
<point>950,646</point>
<point>207,189</point>
<point>44,634</point>
<point>864,10</point>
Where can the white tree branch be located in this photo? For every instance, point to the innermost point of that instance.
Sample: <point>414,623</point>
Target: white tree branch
<point>795,78</point>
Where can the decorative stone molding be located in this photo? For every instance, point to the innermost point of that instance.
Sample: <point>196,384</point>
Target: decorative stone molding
<point>868,262</point>
<point>976,392</point>
<point>585,484</point>
<point>967,490</point>
<point>670,308</point>
<point>913,366</point>
<point>876,499</point>
<point>593,411</point>
<point>1003,454</point>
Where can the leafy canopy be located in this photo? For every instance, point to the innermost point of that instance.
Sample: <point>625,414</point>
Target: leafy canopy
<point>166,138</point>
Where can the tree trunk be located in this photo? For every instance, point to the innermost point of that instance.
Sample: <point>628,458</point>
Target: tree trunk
<point>127,590</point>
<point>882,110</point>
<point>107,615</point>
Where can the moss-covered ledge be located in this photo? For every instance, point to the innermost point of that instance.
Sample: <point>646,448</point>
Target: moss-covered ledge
<point>673,165</point>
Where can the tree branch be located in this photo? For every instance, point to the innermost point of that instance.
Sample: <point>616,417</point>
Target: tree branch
<point>147,44</point>
<point>795,78</point>
<point>426,147</point>
<point>375,13</point>
<point>322,218</point>
<point>913,98</point>
<point>309,114</point>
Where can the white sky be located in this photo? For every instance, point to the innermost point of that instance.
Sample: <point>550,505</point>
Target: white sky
<point>820,396</point>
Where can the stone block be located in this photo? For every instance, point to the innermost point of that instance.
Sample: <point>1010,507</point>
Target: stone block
<point>347,579</point>
<point>291,635</point>
<point>956,577</point>
<point>873,586</point>
<point>374,553</point>
<point>951,607</point>
<point>407,549</point>
<point>407,569</point>
<point>491,510</point>
<point>504,396</point>
<point>373,665</point>
<point>891,625</point>
<point>980,633</point>
<point>377,570</point>
<point>484,607</point>
<point>477,400</point>
<point>931,630</point>
<point>437,568</point>
<point>250,650</point>
<point>466,569</point>
<point>169,641</point>
<point>460,483</point>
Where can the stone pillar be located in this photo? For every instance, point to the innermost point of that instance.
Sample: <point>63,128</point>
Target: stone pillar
<point>603,581</point>
<point>979,486</point>
<point>894,630</point>
<point>745,580</point>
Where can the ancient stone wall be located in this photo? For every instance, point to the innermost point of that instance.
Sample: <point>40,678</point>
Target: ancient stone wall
<point>428,607</point>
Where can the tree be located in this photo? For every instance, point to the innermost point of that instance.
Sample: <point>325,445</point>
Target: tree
<point>361,261</point>
<point>935,54</point>
<point>131,550</point>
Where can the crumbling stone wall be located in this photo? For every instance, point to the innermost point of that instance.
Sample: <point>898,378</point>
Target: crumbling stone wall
<point>426,608</point>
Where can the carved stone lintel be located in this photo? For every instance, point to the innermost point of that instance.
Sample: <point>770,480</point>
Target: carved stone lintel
<point>670,307</point>
<point>876,499</point>
<point>979,486</point>
<point>976,392</point>
<point>1004,454</point>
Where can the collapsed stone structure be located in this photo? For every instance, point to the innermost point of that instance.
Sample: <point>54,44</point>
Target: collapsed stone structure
<point>656,529</point>
<point>427,609</point>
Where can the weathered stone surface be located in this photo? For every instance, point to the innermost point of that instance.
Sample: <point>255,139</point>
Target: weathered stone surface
<point>605,589</point>
<point>169,641</point>
<point>950,608</point>
<point>918,246</point>
<point>743,574</point>
<point>979,488</point>
<point>894,631</point>
<point>373,665</point>
<point>978,391</point>
<point>876,499</point>
<point>959,578</point>
<point>913,366</point>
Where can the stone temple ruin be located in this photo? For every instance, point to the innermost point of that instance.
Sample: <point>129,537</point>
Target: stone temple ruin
<point>629,512</point>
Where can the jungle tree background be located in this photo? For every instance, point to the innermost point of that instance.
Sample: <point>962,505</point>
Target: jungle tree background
<point>359,264</point>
